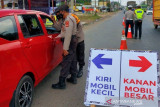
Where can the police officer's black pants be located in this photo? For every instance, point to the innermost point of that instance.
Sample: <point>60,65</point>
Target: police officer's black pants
<point>69,63</point>
<point>129,22</point>
<point>80,53</point>
<point>138,27</point>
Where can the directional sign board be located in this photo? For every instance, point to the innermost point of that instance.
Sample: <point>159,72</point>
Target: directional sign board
<point>118,77</point>
<point>139,78</point>
<point>103,79</point>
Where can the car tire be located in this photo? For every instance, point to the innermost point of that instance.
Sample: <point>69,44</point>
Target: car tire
<point>24,92</point>
<point>155,26</point>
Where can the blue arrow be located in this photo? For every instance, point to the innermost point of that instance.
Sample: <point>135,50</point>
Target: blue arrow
<point>98,60</point>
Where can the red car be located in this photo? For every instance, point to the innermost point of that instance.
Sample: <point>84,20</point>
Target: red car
<point>28,52</point>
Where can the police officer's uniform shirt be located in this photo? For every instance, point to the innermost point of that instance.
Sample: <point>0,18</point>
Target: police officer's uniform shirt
<point>129,15</point>
<point>69,28</point>
<point>58,25</point>
<point>139,14</point>
<point>80,33</point>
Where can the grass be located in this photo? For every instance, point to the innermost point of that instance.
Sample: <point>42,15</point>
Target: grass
<point>89,17</point>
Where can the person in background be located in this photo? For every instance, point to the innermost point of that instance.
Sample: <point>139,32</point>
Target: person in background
<point>69,63</point>
<point>124,10</point>
<point>80,46</point>
<point>129,20</point>
<point>139,15</point>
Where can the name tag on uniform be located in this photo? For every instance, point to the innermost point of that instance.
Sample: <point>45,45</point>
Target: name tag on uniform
<point>139,11</point>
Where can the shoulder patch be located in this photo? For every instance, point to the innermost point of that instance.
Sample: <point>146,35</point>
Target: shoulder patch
<point>67,23</point>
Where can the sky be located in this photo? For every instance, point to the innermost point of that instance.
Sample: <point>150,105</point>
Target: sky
<point>124,2</point>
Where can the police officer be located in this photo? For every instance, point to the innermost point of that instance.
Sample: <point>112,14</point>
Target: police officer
<point>80,46</point>
<point>57,24</point>
<point>139,13</point>
<point>129,19</point>
<point>69,63</point>
<point>80,34</point>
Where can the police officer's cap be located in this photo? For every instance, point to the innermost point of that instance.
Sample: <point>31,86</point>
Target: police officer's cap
<point>64,8</point>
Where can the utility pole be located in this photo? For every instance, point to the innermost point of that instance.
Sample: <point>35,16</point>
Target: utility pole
<point>23,5</point>
<point>29,4</point>
<point>2,4</point>
<point>75,3</point>
<point>53,5</point>
<point>103,3</point>
<point>13,4</point>
<point>65,2</point>
<point>72,2</point>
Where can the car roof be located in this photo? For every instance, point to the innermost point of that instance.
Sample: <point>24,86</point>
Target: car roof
<point>6,12</point>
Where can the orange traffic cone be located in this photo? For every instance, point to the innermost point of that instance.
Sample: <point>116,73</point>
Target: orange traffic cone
<point>129,35</point>
<point>123,23</point>
<point>123,32</point>
<point>123,43</point>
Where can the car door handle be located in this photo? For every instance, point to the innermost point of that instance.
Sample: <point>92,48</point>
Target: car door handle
<point>57,40</point>
<point>50,36</point>
<point>27,45</point>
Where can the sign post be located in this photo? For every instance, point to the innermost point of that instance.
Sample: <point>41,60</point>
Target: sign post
<point>118,77</point>
<point>139,78</point>
<point>103,77</point>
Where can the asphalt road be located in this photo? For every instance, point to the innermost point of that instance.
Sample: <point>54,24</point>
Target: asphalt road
<point>103,34</point>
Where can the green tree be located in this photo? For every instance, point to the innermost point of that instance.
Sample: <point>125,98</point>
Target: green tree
<point>83,1</point>
<point>109,5</point>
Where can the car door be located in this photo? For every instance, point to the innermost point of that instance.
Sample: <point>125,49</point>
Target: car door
<point>57,44</point>
<point>34,43</point>
<point>10,58</point>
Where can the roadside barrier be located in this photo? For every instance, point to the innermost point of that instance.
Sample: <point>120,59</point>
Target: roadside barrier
<point>123,23</point>
<point>129,35</point>
<point>123,31</point>
<point>123,45</point>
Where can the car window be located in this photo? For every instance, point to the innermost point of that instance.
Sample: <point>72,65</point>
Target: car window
<point>9,5</point>
<point>16,4</point>
<point>8,28</point>
<point>48,24</point>
<point>23,27</point>
<point>30,25</point>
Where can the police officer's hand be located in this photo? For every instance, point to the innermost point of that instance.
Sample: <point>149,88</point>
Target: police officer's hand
<point>65,52</point>
<point>53,18</point>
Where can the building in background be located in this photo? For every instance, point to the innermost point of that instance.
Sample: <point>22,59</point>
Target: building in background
<point>8,4</point>
<point>102,3</point>
<point>94,3</point>
<point>40,5</point>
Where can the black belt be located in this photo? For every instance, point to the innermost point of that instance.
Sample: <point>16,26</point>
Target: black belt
<point>139,19</point>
